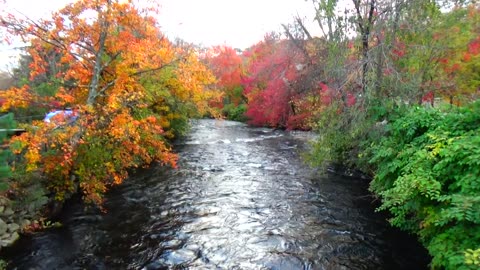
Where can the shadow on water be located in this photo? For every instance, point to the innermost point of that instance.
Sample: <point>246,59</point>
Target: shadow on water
<point>241,199</point>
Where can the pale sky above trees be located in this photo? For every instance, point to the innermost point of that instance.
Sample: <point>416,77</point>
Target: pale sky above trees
<point>239,24</point>
<point>236,23</point>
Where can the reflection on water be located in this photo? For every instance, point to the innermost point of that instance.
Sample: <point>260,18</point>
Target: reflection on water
<point>241,199</point>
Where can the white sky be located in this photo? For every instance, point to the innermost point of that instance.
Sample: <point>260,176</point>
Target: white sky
<point>236,23</point>
<point>239,24</point>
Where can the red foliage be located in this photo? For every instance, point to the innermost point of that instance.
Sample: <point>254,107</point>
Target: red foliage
<point>226,65</point>
<point>272,69</point>
<point>325,94</point>
<point>300,121</point>
<point>399,50</point>
<point>474,46</point>
<point>443,61</point>
<point>351,99</point>
<point>429,97</point>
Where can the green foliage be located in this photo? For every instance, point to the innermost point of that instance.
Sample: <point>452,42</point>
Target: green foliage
<point>45,85</point>
<point>160,89</point>
<point>428,176</point>
<point>333,142</point>
<point>235,113</point>
<point>472,257</point>
<point>341,131</point>
<point>6,122</point>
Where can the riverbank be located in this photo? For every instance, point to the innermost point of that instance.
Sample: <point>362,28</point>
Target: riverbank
<point>424,163</point>
<point>25,215</point>
<point>10,225</point>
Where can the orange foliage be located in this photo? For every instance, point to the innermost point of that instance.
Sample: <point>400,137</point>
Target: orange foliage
<point>108,50</point>
<point>226,65</point>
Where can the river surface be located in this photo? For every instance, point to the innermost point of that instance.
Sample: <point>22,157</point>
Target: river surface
<point>240,199</point>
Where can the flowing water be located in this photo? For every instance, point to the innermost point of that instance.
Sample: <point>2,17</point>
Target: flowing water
<point>240,199</point>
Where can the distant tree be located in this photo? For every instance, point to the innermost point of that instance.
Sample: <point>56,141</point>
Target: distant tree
<point>6,81</point>
<point>273,85</point>
<point>226,64</point>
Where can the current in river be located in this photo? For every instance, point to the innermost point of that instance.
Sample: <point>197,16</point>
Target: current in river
<point>241,198</point>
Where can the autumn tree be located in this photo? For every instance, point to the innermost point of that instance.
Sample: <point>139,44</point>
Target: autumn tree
<point>457,77</point>
<point>273,85</point>
<point>226,64</point>
<point>126,83</point>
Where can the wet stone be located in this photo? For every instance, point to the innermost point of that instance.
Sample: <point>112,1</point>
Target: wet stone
<point>9,239</point>
<point>4,236</point>
<point>8,212</point>
<point>4,201</point>
<point>13,227</point>
<point>25,223</point>
<point>3,227</point>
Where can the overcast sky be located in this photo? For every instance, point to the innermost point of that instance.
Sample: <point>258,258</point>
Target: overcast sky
<point>207,22</point>
<point>236,23</point>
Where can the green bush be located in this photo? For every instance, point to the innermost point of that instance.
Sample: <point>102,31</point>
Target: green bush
<point>235,113</point>
<point>6,123</point>
<point>428,177</point>
<point>341,131</point>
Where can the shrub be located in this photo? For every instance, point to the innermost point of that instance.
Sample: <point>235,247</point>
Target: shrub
<point>428,177</point>
<point>235,113</point>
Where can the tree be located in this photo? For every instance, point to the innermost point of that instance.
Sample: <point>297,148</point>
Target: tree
<point>125,81</point>
<point>226,65</point>
<point>273,85</point>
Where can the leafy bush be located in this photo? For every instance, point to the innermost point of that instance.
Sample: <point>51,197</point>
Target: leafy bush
<point>428,177</point>
<point>235,113</point>
<point>341,130</point>
<point>6,122</point>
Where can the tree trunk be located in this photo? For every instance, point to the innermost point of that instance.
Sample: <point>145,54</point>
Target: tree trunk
<point>365,29</point>
<point>97,69</point>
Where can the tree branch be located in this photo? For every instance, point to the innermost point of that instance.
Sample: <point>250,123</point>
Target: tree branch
<point>304,29</point>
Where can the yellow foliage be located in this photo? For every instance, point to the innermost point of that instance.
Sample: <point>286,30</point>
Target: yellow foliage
<point>123,77</point>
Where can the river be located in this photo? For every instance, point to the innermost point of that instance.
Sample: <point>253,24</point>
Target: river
<point>241,199</point>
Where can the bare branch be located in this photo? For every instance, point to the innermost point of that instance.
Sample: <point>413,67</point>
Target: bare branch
<point>302,26</point>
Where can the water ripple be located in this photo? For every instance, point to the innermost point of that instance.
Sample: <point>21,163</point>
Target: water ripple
<point>241,199</point>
